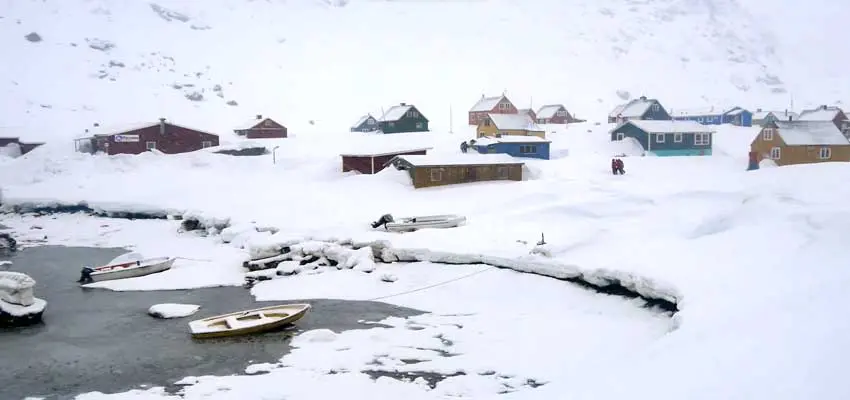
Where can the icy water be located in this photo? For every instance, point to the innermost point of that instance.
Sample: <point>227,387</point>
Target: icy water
<point>100,340</point>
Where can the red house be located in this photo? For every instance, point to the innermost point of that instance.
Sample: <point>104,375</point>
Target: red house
<point>554,114</point>
<point>371,162</point>
<point>163,136</point>
<point>490,105</point>
<point>261,128</point>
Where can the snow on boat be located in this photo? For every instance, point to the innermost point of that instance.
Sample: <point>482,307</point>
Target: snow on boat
<point>408,224</point>
<point>130,265</point>
<point>250,321</point>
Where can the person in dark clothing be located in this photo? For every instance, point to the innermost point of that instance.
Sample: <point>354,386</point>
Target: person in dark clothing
<point>614,166</point>
<point>620,167</point>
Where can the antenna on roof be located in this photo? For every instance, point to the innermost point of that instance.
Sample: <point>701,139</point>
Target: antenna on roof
<point>531,102</point>
<point>450,119</point>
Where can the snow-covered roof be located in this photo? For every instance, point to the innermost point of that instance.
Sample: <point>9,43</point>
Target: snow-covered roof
<point>819,114</point>
<point>548,111</point>
<point>514,122</point>
<point>396,112</point>
<point>361,120</point>
<point>250,123</point>
<point>810,133</point>
<point>780,115</point>
<point>697,112</point>
<point>486,103</point>
<point>25,135</point>
<point>488,140</point>
<point>634,108</point>
<point>435,160</point>
<point>117,129</point>
<point>652,126</point>
<point>735,111</point>
<point>383,150</point>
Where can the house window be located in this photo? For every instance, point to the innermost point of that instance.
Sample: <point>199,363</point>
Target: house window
<point>412,114</point>
<point>825,153</point>
<point>677,137</point>
<point>527,149</point>
<point>268,123</point>
<point>561,113</point>
<point>504,106</point>
<point>621,135</point>
<point>370,121</point>
<point>206,143</point>
<point>150,145</point>
<point>656,107</point>
<point>767,134</point>
<point>436,175</point>
<point>487,122</point>
<point>659,138</point>
<point>775,153</point>
<point>502,172</point>
<point>391,124</point>
<point>702,139</point>
<point>420,125</point>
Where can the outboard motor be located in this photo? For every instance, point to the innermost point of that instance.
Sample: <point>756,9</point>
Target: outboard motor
<point>85,275</point>
<point>11,244</point>
<point>386,218</point>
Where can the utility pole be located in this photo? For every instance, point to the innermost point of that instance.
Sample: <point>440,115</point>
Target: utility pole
<point>451,121</point>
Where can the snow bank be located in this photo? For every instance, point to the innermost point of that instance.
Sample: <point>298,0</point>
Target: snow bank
<point>173,310</point>
<point>16,288</point>
<point>16,310</point>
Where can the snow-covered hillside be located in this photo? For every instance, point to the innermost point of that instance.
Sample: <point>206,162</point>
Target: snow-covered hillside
<point>214,63</point>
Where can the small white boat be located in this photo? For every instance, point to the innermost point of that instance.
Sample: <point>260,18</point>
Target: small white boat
<point>125,267</point>
<point>408,224</point>
<point>246,322</point>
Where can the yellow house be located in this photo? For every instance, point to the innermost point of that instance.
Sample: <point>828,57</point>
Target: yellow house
<point>509,124</point>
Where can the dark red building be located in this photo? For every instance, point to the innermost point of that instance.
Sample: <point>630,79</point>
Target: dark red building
<point>373,162</point>
<point>261,128</point>
<point>25,147</point>
<point>163,136</point>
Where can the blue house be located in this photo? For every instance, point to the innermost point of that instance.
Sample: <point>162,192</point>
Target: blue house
<point>513,145</point>
<point>366,123</point>
<point>735,116</point>
<point>668,138</point>
<point>639,109</point>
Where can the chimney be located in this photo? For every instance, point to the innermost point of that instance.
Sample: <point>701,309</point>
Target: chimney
<point>758,109</point>
<point>259,116</point>
<point>96,124</point>
<point>162,126</point>
<point>790,118</point>
<point>643,97</point>
<point>404,104</point>
<point>823,106</point>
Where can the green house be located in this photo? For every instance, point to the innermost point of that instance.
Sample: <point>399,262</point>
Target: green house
<point>403,118</point>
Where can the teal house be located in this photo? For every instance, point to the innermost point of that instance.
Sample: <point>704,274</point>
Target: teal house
<point>513,145</point>
<point>668,138</point>
<point>403,118</point>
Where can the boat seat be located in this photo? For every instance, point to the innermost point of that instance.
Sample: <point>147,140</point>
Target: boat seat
<point>231,322</point>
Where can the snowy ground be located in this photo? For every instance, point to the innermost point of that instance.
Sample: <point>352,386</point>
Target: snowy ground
<point>758,258</point>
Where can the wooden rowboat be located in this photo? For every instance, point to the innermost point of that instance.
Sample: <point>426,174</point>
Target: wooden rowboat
<point>246,322</point>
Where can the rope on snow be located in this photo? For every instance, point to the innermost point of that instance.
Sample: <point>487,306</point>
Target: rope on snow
<point>434,285</point>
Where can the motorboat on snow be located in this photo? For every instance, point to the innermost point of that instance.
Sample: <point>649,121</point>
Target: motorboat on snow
<point>409,224</point>
<point>129,265</point>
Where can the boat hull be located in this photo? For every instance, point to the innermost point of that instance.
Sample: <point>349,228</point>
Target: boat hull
<point>426,222</point>
<point>198,331</point>
<point>146,267</point>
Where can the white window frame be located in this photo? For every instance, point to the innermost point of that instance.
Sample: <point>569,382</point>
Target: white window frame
<point>825,153</point>
<point>656,107</point>
<point>438,176</point>
<point>420,125</point>
<point>677,137</point>
<point>659,138</point>
<point>767,134</point>
<point>528,149</point>
<point>561,113</point>
<point>620,136</point>
<point>775,153</point>
<point>206,143</point>
<point>150,145</point>
<point>702,139</point>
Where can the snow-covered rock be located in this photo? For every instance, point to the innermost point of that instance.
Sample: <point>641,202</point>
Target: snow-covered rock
<point>16,288</point>
<point>173,310</point>
<point>388,277</point>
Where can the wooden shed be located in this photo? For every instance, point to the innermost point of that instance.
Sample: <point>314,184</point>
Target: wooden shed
<point>371,162</point>
<point>440,170</point>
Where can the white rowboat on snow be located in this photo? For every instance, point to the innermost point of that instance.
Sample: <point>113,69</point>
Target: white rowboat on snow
<point>250,321</point>
<point>126,269</point>
<point>408,224</point>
